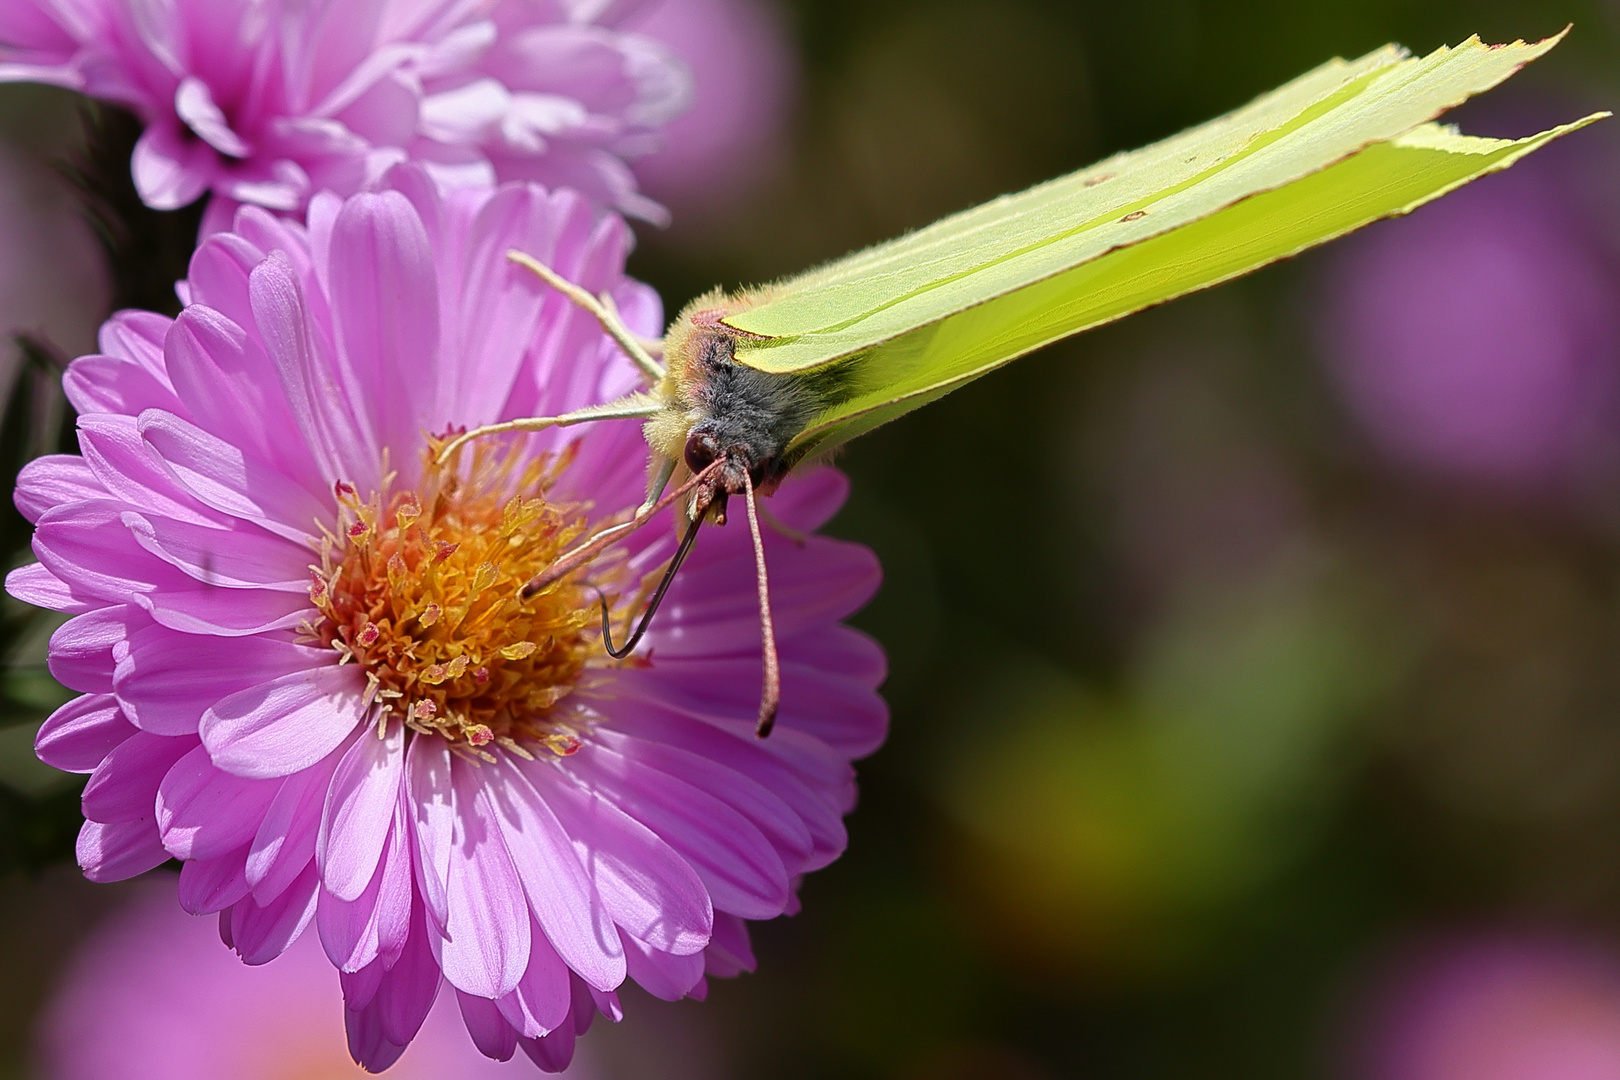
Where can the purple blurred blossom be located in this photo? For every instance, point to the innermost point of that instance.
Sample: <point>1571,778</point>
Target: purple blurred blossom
<point>1494,1007</point>
<point>169,1004</point>
<point>534,847</point>
<point>745,77</point>
<point>266,102</point>
<point>1478,339</point>
<point>51,274</point>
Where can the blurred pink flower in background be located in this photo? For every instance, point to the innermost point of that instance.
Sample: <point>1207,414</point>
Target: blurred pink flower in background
<point>745,75</point>
<point>1495,1007</point>
<point>269,102</point>
<point>445,774</point>
<point>51,275</point>
<point>1479,339</point>
<point>150,995</point>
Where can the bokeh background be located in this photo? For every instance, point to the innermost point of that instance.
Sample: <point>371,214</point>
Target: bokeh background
<point>1256,705</point>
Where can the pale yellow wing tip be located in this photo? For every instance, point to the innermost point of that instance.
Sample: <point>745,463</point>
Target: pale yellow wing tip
<point>1539,46</point>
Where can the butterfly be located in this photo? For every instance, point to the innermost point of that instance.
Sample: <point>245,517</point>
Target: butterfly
<point>745,387</point>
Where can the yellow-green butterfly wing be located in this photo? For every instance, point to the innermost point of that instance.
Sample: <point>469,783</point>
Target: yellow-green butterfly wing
<point>1337,148</point>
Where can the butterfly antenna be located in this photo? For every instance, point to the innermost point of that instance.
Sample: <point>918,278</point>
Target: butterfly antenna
<point>681,552</point>
<point>770,697</point>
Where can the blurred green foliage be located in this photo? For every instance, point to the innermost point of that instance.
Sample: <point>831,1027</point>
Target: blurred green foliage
<point>1195,703</point>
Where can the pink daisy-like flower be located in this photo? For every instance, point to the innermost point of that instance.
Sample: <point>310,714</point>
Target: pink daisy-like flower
<point>268,101</point>
<point>309,673</point>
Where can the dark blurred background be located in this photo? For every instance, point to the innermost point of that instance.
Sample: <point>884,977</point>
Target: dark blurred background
<point>1256,710</point>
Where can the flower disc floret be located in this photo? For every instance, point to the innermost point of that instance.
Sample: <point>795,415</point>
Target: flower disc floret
<point>424,591</point>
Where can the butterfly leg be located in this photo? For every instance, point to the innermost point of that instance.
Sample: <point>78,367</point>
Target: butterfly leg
<point>659,472</point>
<point>653,346</point>
<point>601,307</point>
<point>629,407</point>
<point>571,560</point>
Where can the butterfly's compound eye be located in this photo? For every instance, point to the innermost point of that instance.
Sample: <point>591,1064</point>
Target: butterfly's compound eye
<point>701,450</point>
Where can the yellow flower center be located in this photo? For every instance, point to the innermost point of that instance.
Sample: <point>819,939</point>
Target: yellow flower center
<point>423,589</point>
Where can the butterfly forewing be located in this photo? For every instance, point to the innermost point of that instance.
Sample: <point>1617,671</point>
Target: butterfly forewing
<point>847,307</point>
<point>1387,178</point>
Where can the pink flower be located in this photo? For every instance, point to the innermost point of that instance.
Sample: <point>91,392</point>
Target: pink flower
<point>1496,1007</point>
<point>745,79</point>
<point>266,102</point>
<point>169,1004</point>
<point>308,671</point>
<point>1476,341</point>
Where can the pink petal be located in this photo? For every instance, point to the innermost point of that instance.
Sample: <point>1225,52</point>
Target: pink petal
<point>844,713</point>
<point>395,1009</point>
<point>137,336</point>
<point>121,850</point>
<point>245,557</point>
<point>560,892</point>
<point>729,952</point>
<point>35,584</point>
<point>368,1046</point>
<point>285,842</point>
<point>812,779</point>
<point>339,435</point>
<point>104,384</point>
<point>221,476</point>
<point>131,473</point>
<point>228,385</point>
<point>218,279</point>
<point>124,786</point>
<point>167,680</point>
<point>286,724</point>
<point>485,946</point>
<point>661,974</point>
<point>385,302</point>
<point>554,1052</point>
<point>82,649</point>
<point>489,311</point>
<point>259,934</point>
<point>212,885</point>
<point>490,1032</point>
<point>740,783</point>
<point>76,737</point>
<point>738,866</point>
<point>713,607</point>
<point>225,612</point>
<point>647,889</point>
<point>53,479</point>
<point>845,652</point>
<point>810,498</point>
<point>542,999</point>
<point>375,923</point>
<point>194,104</point>
<point>431,793</point>
<point>87,544</point>
<point>204,813</point>
<point>359,812</point>
<point>171,170</point>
